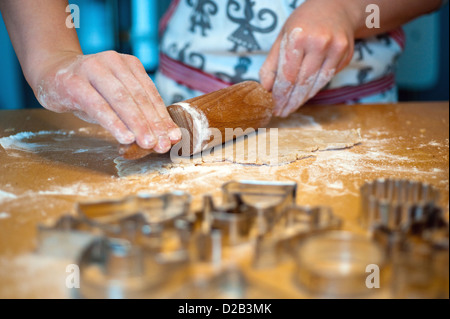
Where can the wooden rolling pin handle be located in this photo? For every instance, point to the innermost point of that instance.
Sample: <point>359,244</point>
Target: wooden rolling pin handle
<point>244,105</point>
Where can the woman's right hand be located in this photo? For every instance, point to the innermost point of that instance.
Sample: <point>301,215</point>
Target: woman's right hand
<point>112,90</point>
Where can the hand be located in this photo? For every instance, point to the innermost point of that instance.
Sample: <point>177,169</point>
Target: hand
<point>112,90</point>
<point>316,42</point>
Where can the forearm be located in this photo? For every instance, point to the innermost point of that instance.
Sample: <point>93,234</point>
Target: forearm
<point>393,13</point>
<point>38,32</point>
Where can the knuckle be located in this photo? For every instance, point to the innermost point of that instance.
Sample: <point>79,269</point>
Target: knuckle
<point>131,60</point>
<point>322,42</point>
<point>158,125</point>
<point>111,56</point>
<point>134,60</point>
<point>342,44</point>
<point>90,64</point>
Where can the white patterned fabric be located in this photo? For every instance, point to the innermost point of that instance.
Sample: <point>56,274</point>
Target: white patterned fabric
<point>208,44</point>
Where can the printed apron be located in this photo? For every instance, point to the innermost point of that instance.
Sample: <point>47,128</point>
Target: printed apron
<point>208,45</point>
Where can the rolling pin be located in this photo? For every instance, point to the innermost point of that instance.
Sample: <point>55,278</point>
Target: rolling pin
<point>243,106</point>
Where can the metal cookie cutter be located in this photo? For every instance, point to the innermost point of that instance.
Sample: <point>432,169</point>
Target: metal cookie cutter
<point>404,217</point>
<point>234,225</point>
<point>207,242</point>
<point>294,225</point>
<point>153,209</point>
<point>115,269</point>
<point>393,239</point>
<point>396,204</point>
<point>420,258</point>
<point>160,223</point>
<point>66,238</point>
<point>265,200</point>
<point>333,264</point>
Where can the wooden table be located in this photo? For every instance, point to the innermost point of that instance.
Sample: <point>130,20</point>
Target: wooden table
<point>400,141</point>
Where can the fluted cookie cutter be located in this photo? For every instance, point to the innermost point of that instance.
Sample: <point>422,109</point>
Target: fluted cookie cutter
<point>404,217</point>
<point>116,269</point>
<point>264,200</point>
<point>160,222</point>
<point>420,257</point>
<point>396,204</point>
<point>334,264</point>
<point>393,239</point>
<point>292,226</point>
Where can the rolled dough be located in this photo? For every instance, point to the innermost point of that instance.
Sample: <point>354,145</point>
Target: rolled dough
<point>279,146</point>
<point>294,143</point>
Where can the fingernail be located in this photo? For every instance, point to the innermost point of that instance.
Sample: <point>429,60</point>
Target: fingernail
<point>163,144</point>
<point>126,138</point>
<point>175,135</point>
<point>149,141</point>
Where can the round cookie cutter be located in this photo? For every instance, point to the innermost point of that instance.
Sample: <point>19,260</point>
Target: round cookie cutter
<point>334,264</point>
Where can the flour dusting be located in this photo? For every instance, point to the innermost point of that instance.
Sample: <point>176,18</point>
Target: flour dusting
<point>35,276</point>
<point>200,129</point>
<point>4,215</point>
<point>6,196</point>
<point>23,141</point>
<point>55,141</point>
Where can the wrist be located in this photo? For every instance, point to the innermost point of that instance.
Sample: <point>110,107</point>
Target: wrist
<point>38,68</point>
<point>355,10</point>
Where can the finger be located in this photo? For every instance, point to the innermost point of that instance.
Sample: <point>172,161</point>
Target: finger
<point>326,74</point>
<point>346,49</point>
<point>339,56</point>
<point>122,102</point>
<point>309,71</point>
<point>174,133</point>
<point>268,71</point>
<point>290,61</point>
<point>150,117</point>
<point>93,108</point>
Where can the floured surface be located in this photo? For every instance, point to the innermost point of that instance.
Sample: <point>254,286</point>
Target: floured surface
<point>50,173</point>
<point>281,146</point>
<point>291,144</point>
<point>64,143</point>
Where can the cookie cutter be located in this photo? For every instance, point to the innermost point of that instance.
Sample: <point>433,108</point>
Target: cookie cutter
<point>333,264</point>
<point>420,258</point>
<point>112,268</point>
<point>294,225</point>
<point>234,225</point>
<point>439,241</point>
<point>207,241</point>
<point>153,209</point>
<point>158,222</point>
<point>264,200</point>
<point>396,204</point>
<point>66,238</point>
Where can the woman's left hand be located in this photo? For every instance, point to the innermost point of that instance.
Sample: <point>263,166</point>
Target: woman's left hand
<point>316,42</point>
